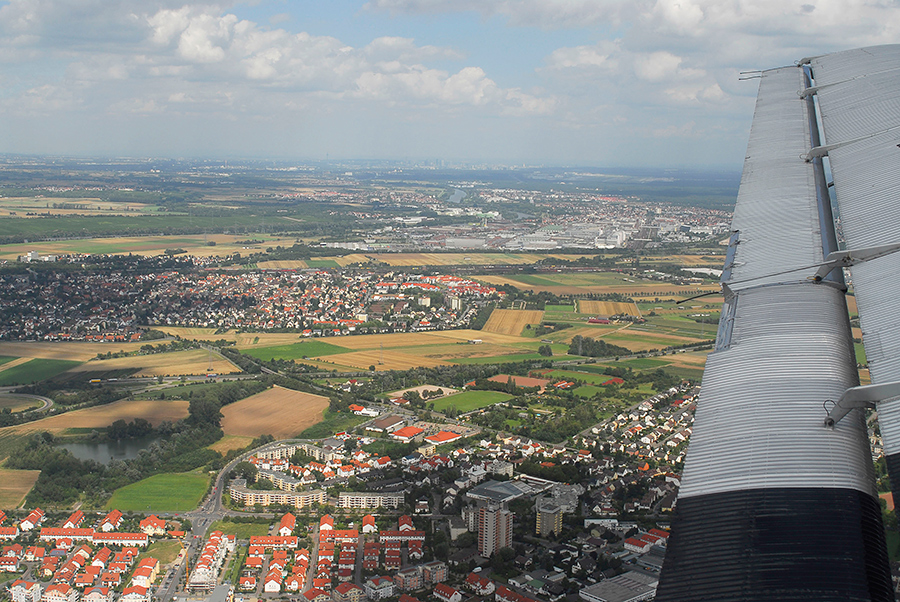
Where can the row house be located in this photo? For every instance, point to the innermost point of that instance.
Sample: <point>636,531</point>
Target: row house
<point>445,593</point>
<point>33,520</point>
<point>111,521</point>
<point>74,521</point>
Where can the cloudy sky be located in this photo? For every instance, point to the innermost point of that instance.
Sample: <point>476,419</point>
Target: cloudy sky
<point>553,82</point>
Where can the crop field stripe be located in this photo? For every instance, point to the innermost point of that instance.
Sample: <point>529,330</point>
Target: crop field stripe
<point>512,321</point>
<point>13,362</point>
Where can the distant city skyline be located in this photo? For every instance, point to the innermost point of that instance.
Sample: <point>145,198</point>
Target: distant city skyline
<point>535,82</point>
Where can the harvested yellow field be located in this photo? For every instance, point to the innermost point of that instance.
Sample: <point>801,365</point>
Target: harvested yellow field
<point>230,442</point>
<point>202,334</point>
<point>608,308</point>
<point>512,321</point>
<point>79,352</point>
<point>438,259</point>
<point>422,388</point>
<point>98,417</point>
<point>190,362</point>
<point>632,289</point>
<point>242,340</point>
<point>198,245</point>
<point>15,485</point>
<point>16,362</point>
<point>286,264</point>
<point>352,258</point>
<point>399,339</point>
<point>388,360</point>
<point>457,351</point>
<point>277,411</point>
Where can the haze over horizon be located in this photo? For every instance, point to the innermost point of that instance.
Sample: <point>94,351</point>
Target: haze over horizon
<point>552,82</point>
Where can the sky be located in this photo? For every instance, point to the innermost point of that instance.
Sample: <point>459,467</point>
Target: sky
<point>641,83</point>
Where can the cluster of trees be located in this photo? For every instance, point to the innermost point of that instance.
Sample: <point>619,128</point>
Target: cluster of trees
<point>595,348</point>
<point>129,430</point>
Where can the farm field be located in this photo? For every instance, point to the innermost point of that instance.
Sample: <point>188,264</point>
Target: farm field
<point>607,308</point>
<point>176,363</point>
<point>277,411</point>
<point>198,245</point>
<point>15,485</point>
<point>230,442</point>
<point>18,404</point>
<point>168,492</point>
<point>415,260</point>
<point>75,351</point>
<point>512,321</point>
<point>422,388</point>
<point>295,351</point>
<point>470,400</point>
<point>5,359</point>
<point>33,371</point>
<point>596,282</point>
<point>99,417</point>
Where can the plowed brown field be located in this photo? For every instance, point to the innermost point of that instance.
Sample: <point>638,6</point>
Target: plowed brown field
<point>277,411</point>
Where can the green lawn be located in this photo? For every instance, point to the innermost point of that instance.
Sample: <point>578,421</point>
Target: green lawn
<point>240,530</point>
<point>596,379</point>
<point>296,351</point>
<point>860,353</point>
<point>587,391</point>
<point>168,492</point>
<point>165,551</point>
<point>34,371</point>
<point>6,358</point>
<point>470,400</point>
<point>332,422</point>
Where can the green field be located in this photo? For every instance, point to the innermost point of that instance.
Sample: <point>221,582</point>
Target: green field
<point>643,363</point>
<point>179,391</point>
<point>470,400</point>
<point>596,379</point>
<point>4,359</point>
<point>322,263</point>
<point>34,371</point>
<point>296,351</point>
<point>168,492</point>
<point>240,530</point>
<point>500,359</point>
